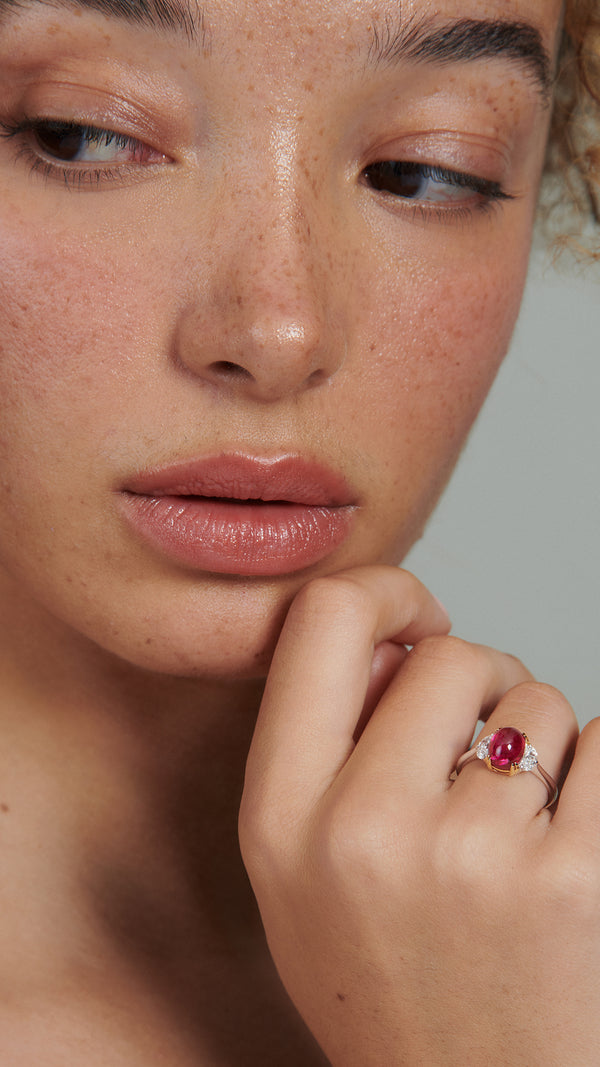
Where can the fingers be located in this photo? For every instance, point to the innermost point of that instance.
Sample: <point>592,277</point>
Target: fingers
<point>387,660</point>
<point>426,718</point>
<point>391,729</point>
<point>548,720</point>
<point>578,811</point>
<point>320,677</point>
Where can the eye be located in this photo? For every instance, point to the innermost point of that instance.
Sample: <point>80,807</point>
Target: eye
<point>70,142</point>
<point>431,185</point>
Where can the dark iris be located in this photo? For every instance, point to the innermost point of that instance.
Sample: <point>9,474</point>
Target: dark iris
<point>401,179</point>
<point>60,139</point>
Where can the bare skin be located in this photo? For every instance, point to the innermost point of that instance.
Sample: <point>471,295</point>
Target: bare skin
<point>242,286</point>
<point>414,921</point>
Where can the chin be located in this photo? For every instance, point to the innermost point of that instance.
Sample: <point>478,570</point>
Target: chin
<point>212,660</point>
<point>224,634</point>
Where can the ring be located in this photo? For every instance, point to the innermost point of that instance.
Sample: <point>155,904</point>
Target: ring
<point>508,751</point>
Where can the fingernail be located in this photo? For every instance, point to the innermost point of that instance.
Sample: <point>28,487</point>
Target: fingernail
<point>442,606</point>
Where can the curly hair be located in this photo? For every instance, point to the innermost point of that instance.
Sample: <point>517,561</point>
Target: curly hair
<point>574,147</point>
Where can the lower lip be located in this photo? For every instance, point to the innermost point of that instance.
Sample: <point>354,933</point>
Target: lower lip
<point>238,538</point>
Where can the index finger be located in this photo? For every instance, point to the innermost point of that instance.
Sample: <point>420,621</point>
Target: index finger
<point>320,675</point>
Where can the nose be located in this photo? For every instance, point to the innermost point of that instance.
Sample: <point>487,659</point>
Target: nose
<point>266,321</point>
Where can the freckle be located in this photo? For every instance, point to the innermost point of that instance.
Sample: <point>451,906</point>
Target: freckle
<point>308,86</point>
<point>4,808</point>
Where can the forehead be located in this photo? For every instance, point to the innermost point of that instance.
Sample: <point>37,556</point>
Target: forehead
<point>196,19</point>
<point>359,14</point>
<point>316,36</point>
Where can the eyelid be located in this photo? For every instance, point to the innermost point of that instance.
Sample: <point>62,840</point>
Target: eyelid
<point>90,135</point>
<point>135,110</point>
<point>444,176</point>
<point>77,174</point>
<point>452,150</point>
<point>484,196</point>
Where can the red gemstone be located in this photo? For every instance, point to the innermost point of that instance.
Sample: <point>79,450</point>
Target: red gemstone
<point>506,747</point>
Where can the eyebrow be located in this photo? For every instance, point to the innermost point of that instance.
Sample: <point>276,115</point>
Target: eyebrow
<point>176,16</point>
<point>464,41</point>
<point>418,40</point>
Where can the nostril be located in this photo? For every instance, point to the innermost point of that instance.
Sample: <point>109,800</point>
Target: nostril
<point>317,377</point>
<point>226,369</point>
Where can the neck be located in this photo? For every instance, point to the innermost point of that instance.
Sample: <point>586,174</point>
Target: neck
<point>123,882</point>
<point>120,791</point>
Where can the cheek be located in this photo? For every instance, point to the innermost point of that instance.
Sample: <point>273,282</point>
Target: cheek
<point>435,341</point>
<point>67,333</point>
<point>67,329</point>
<point>75,334</point>
<point>438,339</point>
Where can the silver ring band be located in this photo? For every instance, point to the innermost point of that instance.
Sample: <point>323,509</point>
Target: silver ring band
<point>508,751</point>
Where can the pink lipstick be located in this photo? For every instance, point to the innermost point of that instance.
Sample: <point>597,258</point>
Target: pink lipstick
<point>240,515</point>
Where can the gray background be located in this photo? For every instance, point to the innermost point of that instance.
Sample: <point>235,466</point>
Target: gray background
<point>512,549</point>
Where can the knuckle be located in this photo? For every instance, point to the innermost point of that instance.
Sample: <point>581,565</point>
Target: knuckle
<point>571,884</point>
<point>334,596</point>
<point>545,702</point>
<point>475,855</point>
<point>451,656</point>
<point>354,843</point>
<point>519,666</point>
<point>265,837</point>
<point>447,651</point>
<point>590,733</point>
<point>466,854</point>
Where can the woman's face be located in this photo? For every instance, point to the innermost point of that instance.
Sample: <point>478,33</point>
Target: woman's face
<point>301,232</point>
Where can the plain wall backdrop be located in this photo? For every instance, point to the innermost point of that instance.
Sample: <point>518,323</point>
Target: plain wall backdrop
<point>512,549</point>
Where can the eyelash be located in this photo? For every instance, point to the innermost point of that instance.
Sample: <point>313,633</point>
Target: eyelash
<point>488,193</point>
<point>74,176</point>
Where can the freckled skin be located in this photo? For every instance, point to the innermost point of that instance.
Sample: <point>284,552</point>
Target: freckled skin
<point>251,292</point>
<point>369,338</point>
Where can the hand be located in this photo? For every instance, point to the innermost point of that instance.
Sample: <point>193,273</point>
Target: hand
<point>414,920</point>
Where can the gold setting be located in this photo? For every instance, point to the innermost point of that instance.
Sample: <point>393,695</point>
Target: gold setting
<point>472,754</point>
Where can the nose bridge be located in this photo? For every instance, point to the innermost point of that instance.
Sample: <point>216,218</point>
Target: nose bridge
<point>277,251</point>
<point>268,311</point>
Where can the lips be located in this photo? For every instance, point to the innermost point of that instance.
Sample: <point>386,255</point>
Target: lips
<point>240,515</point>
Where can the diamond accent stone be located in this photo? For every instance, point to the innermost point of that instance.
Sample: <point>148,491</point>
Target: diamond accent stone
<point>530,759</point>
<point>483,748</point>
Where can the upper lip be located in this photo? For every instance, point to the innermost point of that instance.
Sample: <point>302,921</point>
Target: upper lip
<point>235,476</point>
